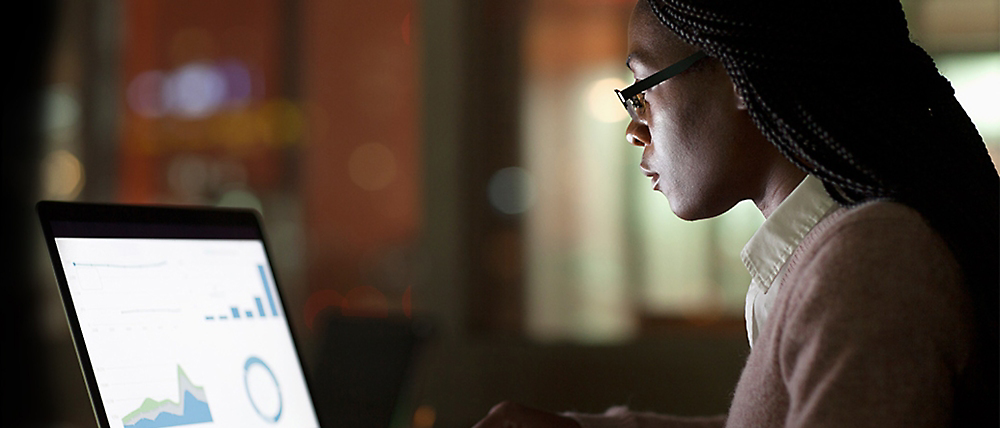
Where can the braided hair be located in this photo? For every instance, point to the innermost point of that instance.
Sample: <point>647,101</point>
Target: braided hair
<point>841,91</point>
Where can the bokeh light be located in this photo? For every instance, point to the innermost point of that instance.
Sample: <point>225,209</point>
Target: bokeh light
<point>405,29</point>
<point>976,79</point>
<point>320,301</point>
<point>241,198</point>
<point>284,121</point>
<point>372,166</point>
<point>424,417</point>
<point>192,91</point>
<point>365,301</point>
<point>239,83</point>
<point>407,302</point>
<point>233,129</point>
<point>603,103</point>
<point>62,111</point>
<point>224,173</point>
<point>63,175</point>
<point>511,190</point>
<point>187,176</point>
<point>145,94</point>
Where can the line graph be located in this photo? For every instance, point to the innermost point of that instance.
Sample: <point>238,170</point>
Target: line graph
<point>123,266</point>
<point>192,408</point>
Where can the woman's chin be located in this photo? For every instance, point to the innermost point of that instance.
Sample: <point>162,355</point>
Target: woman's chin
<point>692,210</point>
<point>684,211</point>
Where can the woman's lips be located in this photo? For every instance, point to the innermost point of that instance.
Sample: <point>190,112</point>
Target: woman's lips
<point>654,177</point>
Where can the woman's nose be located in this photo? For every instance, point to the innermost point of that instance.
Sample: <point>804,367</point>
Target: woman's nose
<point>637,134</point>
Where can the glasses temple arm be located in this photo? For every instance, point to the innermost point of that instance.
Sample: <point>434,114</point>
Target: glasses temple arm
<point>661,75</point>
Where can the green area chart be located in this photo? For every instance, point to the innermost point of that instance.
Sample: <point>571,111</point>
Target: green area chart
<point>192,408</point>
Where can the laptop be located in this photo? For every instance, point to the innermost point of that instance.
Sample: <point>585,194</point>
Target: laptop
<point>176,316</point>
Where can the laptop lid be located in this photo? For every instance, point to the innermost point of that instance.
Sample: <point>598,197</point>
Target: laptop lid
<point>176,316</point>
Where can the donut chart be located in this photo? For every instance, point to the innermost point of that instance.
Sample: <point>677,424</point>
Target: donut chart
<point>262,389</point>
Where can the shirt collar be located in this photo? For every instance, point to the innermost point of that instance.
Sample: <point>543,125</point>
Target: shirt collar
<point>773,243</point>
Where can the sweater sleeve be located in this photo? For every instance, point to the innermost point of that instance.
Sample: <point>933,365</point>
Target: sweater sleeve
<point>876,329</point>
<point>621,417</point>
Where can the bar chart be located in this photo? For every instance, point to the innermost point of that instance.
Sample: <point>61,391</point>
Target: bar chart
<point>235,312</point>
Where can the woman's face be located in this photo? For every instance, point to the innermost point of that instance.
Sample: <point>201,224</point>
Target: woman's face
<point>699,145</point>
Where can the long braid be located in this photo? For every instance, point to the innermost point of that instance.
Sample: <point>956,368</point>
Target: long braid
<point>838,89</point>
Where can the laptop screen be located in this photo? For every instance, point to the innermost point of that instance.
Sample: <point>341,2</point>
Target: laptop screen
<point>181,325</point>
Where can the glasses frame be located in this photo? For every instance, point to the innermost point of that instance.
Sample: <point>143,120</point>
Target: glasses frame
<point>632,97</point>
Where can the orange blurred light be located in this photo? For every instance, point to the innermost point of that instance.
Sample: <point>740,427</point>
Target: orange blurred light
<point>319,301</point>
<point>365,301</point>
<point>372,166</point>
<point>408,302</point>
<point>424,417</point>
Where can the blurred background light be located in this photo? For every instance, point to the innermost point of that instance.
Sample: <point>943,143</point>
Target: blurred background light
<point>241,198</point>
<point>239,84</point>
<point>424,417</point>
<point>226,172</point>
<point>976,79</point>
<point>62,111</point>
<point>603,103</point>
<point>145,94</point>
<point>511,190</point>
<point>194,91</point>
<point>405,29</point>
<point>233,129</point>
<point>187,176</point>
<point>63,175</point>
<point>365,301</point>
<point>372,166</point>
<point>285,121</point>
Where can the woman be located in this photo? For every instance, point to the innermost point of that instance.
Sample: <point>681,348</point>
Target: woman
<point>874,299</point>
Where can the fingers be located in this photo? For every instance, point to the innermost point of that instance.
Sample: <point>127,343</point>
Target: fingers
<point>498,416</point>
<point>512,415</point>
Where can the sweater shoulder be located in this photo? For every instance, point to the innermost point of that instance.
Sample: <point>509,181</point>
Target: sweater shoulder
<point>878,267</point>
<point>885,231</point>
<point>872,315</point>
<point>890,217</point>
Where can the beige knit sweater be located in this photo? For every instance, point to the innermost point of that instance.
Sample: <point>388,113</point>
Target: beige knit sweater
<point>871,327</point>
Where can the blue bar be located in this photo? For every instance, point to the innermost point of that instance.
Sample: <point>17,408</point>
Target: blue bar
<point>260,306</point>
<point>249,314</point>
<point>223,317</point>
<point>209,317</point>
<point>267,289</point>
<point>236,312</point>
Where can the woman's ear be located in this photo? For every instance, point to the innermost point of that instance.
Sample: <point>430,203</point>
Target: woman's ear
<point>740,104</point>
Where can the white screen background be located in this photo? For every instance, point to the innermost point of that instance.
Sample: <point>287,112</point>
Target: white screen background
<point>149,306</point>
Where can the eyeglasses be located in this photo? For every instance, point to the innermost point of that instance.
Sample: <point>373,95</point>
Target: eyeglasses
<point>632,97</point>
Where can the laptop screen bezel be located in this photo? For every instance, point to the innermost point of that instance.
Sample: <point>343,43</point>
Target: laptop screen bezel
<point>84,220</point>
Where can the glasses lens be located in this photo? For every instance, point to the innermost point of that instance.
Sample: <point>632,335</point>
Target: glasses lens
<point>630,104</point>
<point>630,107</point>
<point>635,105</point>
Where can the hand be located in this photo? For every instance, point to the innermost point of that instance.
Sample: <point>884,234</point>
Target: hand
<point>513,415</point>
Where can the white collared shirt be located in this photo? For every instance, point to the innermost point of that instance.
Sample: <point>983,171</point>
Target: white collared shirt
<point>768,251</point>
